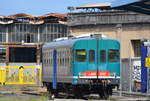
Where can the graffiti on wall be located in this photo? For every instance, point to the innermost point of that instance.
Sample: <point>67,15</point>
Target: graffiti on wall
<point>136,71</point>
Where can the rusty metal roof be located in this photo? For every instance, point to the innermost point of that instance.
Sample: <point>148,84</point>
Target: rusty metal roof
<point>2,16</point>
<point>39,19</point>
<point>57,15</point>
<point>22,15</point>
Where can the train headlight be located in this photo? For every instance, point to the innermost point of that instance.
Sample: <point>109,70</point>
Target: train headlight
<point>112,74</point>
<point>82,73</point>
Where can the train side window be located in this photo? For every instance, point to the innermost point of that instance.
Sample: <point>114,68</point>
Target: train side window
<point>50,58</point>
<point>91,56</point>
<point>102,56</point>
<point>43,60</point>
<point>64,57</point>
<point>58,52</point>
<point>113,55</point>
<point>80,55</point>
<point>47,58</point>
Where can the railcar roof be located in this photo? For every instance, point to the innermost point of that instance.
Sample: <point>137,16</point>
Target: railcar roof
<point>67,43</point>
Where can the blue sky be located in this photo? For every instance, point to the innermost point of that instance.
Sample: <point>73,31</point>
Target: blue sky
<point>40,7</point>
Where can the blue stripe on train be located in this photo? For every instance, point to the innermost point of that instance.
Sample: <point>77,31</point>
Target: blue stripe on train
<point>54,69</point>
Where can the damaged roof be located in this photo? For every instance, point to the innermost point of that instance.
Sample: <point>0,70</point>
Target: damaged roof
<point>21,15</point>
<point>24,15</point>
<point>32,19</point>
<point>2,16</point>
<point>57,15</point>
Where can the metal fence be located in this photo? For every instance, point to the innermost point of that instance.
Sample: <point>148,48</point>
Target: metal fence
<point>131,75</point>
<point>10,75</point>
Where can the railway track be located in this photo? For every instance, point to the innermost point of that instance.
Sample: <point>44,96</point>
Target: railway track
<point>126,96</point>
<point>34,93</point>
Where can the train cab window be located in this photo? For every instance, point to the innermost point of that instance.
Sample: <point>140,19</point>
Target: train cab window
<point>113,55</point>
<point>91,56</point>
<point>80,55</point>
<point>102,56</point>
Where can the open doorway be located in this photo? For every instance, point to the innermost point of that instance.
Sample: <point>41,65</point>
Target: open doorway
<point>136,47</point>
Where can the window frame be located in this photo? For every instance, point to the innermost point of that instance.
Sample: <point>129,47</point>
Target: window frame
<point>103,58</point>
<point>93,56</point>
<point>79,59</point>
<point>118,57</point>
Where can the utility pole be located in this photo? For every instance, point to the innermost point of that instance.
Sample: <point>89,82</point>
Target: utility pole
<point>119,32</point>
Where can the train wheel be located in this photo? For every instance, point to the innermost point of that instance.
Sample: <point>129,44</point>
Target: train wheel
<point>104,91</point>
<point>78,93</point>
<point>51,97</point>
<point>110,90</point>
<point>53,94</point>
<point>104,94</point>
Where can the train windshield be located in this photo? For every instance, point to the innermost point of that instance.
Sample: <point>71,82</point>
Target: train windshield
<point>91,56</point>
<point>113,55</point>
<point>80,55</point>
<point>102,56</point>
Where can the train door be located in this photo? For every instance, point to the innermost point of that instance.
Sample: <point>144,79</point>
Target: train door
<point>97,66</point>
<point>102,62</point>
<point>92,58</point>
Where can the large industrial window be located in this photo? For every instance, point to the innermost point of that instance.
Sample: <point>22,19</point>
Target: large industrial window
<point>102,56</point>
<point>113,55</point>
<point>22,54</point>
<point>91,56</point>
<point>80,55</point>
<point>28,38</point>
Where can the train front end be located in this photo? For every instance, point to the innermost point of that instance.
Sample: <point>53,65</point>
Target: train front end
<point>96,65</point>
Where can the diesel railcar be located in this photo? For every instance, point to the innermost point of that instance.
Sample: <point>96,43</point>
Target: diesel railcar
<point>81,66</point>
